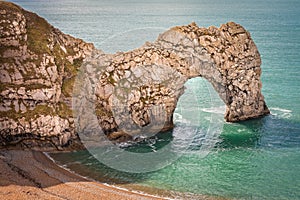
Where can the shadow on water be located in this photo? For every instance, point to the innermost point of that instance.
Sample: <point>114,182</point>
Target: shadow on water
<point>83,163</point>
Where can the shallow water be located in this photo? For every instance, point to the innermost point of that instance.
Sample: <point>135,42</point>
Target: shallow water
<point>257,159</point>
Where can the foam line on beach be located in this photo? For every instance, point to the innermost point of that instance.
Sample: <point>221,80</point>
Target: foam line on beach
<point>106,184</point>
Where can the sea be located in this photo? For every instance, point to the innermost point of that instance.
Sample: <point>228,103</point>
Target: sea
<point>254,159</point>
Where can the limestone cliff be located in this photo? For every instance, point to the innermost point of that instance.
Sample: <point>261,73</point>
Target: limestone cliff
<point>130,93</point>
<point>38,64</point>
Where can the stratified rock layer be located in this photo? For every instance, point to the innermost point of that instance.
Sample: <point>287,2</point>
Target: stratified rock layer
<point>130,93</point>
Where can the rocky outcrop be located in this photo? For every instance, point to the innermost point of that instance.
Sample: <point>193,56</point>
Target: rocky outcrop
<point>38,65</point>
<point>130,93</point>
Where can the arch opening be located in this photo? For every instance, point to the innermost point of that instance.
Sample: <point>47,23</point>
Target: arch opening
<point>202,110</point>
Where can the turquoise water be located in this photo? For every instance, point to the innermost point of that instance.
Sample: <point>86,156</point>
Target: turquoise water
<point>257,159</point>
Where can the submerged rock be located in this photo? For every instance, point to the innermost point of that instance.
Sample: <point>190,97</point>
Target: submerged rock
<point>130,93</point>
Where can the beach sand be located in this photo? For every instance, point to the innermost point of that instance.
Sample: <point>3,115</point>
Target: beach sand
<point>32,175</point>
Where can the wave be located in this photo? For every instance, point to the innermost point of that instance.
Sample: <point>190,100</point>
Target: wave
<point>281,112</point>
<point>281,109</point>
<point>215,110</point>
<point>179,118</point>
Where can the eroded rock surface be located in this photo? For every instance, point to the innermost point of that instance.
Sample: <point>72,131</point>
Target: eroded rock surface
<point>38,65</point>
<point>130,93</point>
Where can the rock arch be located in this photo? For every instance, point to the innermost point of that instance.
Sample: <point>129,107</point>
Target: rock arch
<point>154,75</point>
<point>39,64</point>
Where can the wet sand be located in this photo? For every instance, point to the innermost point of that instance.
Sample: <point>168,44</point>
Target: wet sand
<point>32,175</point>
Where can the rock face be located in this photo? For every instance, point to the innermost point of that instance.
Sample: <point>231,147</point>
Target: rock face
<point>38,65</point>
<point>130,93</point>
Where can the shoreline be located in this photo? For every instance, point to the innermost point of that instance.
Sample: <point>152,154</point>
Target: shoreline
<point>26,174</point>
<point>135,187</point>
<point>32,175</point>
<point>117,186</point>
